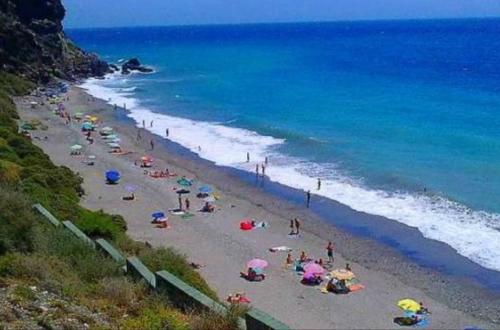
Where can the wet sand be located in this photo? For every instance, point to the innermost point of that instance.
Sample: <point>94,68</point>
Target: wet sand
<point>216,241</point>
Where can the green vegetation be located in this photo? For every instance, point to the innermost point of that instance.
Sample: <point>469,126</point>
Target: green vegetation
<point>34,253</point>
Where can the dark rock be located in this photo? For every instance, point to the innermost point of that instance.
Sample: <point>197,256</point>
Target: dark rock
<point>114,67</point>
<point>134,65</point>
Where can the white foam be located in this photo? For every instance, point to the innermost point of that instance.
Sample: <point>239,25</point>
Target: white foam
<point>473,234</point>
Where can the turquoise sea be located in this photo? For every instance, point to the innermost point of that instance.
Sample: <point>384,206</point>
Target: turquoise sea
<point>398,118</point>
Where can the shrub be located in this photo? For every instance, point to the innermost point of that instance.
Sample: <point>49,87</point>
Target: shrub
<point>172,261</point>
<point>216,321</point>
<point>157,317</point>
<point>16,221</point>
<point>9,171</point>
<point>90,265</point>
<point>100,225</point>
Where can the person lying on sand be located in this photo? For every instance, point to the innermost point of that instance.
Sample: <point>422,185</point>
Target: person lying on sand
<point>129,198</point>
<point>208,208</point>
<point>237,298</point>
<point>252,276</point>
<point>196,265</point>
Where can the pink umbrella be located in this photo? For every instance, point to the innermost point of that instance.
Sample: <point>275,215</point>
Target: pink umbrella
<point>313,268</point>
<point>308,276</point>
<point>257,263</point>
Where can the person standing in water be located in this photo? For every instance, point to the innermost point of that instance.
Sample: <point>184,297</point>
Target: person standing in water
<point>263,170</point>
<point>266,160</point>
<point>256,169</point>
<point>308,198</point>
<point>248,157</point>
<point>151,123</point>
<point>167,132</point>
<point>143,123</point>
<point>319,184</point>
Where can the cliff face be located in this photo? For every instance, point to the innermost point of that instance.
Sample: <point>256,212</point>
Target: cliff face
<point>33,44</point>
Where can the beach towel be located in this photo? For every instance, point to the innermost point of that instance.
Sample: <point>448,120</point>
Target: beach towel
<point>261,224</point>
<point>187,216</point>
<point>280,249</point>
<point>356,287</point>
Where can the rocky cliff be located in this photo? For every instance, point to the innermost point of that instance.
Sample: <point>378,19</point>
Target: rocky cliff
<point>33,44</point>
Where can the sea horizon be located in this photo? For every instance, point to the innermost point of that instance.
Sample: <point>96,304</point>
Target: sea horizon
<point>399,134</point>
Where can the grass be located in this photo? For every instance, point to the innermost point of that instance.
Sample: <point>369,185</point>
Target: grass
<point>33,253</point>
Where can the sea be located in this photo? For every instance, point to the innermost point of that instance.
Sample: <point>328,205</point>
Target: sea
<point>399,119</point>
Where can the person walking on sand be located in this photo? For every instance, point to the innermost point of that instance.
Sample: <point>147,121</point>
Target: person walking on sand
<point>319,184</point>
<point>248,157</point>
<point>138,135</point>
<point>329,252</point>
<point>308,198</point>
<point>292,227</point>
<point>152,143</point>
<point>297,226</point>
<point>187,203</point>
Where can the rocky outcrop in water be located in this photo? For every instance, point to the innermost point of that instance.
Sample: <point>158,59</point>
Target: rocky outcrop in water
<point>134,65</point>
<point>33,44</point>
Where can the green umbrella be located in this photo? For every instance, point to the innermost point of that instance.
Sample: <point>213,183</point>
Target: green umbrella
<point>79,115</point>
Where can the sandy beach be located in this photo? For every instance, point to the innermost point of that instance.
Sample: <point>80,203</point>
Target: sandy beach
<point>215,240</point>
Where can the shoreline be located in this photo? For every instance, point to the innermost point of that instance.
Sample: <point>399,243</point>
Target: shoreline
<point>460,294</point>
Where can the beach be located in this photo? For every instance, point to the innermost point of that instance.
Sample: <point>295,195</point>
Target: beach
<point>215,241</point>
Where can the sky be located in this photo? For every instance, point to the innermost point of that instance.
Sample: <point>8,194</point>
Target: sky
<point>118,13</point>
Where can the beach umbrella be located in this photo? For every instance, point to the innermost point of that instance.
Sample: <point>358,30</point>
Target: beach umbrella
<point>342,274</point>
<point>314,268</point>
<point>158,215</point>
<point>110,137</point>
<point>183,191</point>
<point>106,130</point>
<point>93,119</point>
<point>86,126</point>
<point>184,182</point>
<point>130,188</point>
<point>114,145</point>
<point>309,275</point>
<point>147,159</point>
<point>409,305</point>
<point>257,263</point>
<point>77,115</point>
<point>112,176</point>
<point>76,147</point>
<point>209,199</point>
<point>205,189</point>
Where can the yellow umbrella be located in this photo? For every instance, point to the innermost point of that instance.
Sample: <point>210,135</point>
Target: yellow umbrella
<point>409,305</point>
<point>342,274</point>
<point>93,118</point>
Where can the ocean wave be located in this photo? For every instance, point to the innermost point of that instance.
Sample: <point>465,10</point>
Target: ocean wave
<point>473,234</point>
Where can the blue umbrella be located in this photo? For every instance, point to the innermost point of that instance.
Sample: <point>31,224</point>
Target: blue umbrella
<point>206,189</point>
<point>112,176</point>
<point>158,214</point>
